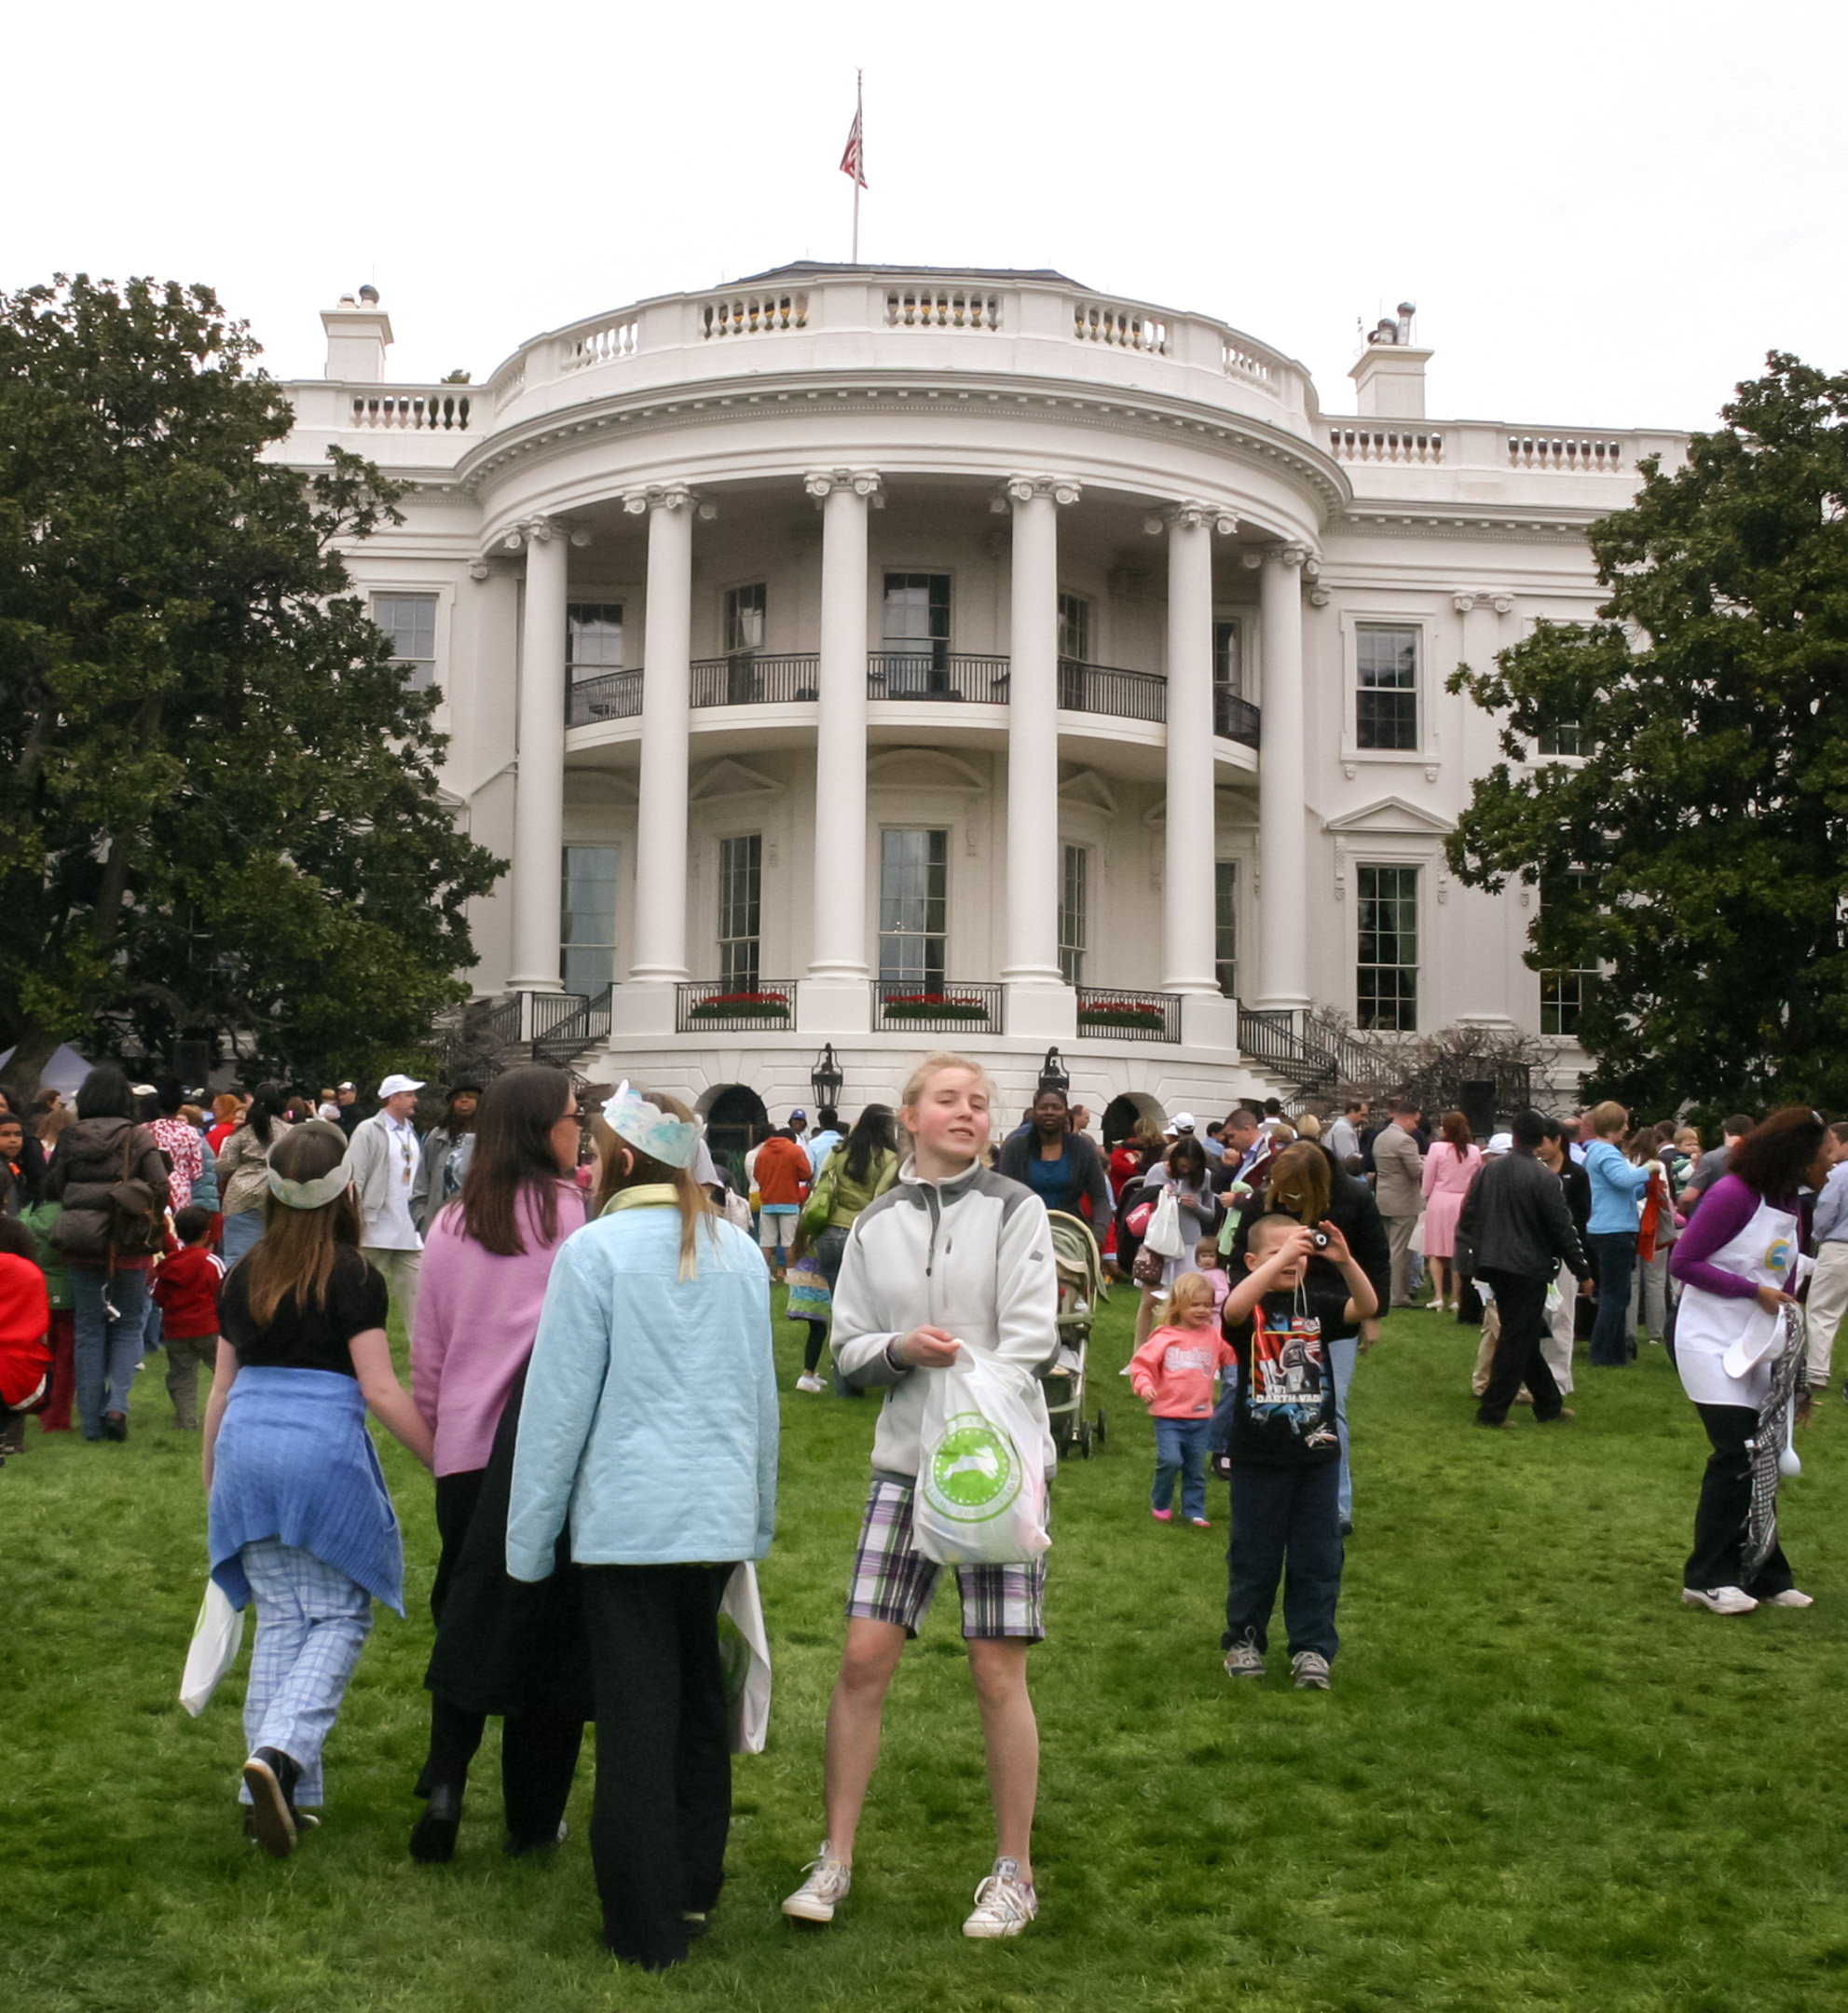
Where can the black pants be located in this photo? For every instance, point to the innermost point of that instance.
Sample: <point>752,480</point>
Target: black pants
<point>1517,1349</point>
<point>1718,1558</point>
<point>664,1761</point>
<point>1286,1523</point>
<point>813,1348</point>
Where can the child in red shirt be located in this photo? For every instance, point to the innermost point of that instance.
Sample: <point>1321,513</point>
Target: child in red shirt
<point>186,1290</point>
<point>1173,1374</point>
<point>25,1315</point>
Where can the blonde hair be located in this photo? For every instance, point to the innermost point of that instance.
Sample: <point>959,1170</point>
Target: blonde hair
<point>690,1199</point>
<point>1688,1139</point>
<point>1302,1171</point>
<point>934,1065</point>
<point>1189,1290</point>
<point>1608,1118</point>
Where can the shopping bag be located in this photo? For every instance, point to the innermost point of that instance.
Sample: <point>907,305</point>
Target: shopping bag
<point>1418,1244</point>
<point>981,1470</point>
<point>1164,1227</point>
<point>218,1635</point>
<point>744,1648</point>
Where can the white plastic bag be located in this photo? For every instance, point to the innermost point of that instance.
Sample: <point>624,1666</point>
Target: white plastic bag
<point>981,1470</point>
<point>1418,1244</point>
<point>218,1635</point>
<point>1163,1236</point>
<point>744,1651</point>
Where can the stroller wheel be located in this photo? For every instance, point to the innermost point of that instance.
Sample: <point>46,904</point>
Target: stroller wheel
<point>1084,1438</point>
<point>1100,1435</point>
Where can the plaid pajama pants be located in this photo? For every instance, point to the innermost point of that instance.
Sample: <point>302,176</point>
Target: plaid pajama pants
<point>890,1582</point>
<point>311,1623</point>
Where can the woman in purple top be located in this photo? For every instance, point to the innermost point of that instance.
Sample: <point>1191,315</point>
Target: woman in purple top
<point>1737,1261</point>
<point>501,1647</point>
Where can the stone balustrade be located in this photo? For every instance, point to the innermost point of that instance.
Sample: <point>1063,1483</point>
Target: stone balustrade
<point>439,409</point>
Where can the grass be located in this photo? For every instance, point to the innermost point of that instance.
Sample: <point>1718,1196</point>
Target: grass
<point>1539,1782</point>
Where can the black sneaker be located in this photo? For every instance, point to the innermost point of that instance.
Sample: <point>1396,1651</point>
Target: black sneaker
<point>433,1835</point>
<point>270,1776</point>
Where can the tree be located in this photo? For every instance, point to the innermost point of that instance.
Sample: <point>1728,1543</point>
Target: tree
<point>218,799</point>
<point>1697,854</point>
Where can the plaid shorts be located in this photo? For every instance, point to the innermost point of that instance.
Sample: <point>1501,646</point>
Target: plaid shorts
<point>890,1582</point>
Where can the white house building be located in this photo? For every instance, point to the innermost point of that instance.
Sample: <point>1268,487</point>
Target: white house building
<point>882,657</point>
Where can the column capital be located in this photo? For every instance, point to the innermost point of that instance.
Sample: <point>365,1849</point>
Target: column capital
<point>1467,598</point>
<point>1023,489</point>
<point>862,481</point>
<point>1288,555</point>
<point>668,495</point>
<point>542,531</point>
<point>1190,515</point>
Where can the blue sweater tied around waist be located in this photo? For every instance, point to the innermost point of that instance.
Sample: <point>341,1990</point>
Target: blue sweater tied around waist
<point>294,1461</point>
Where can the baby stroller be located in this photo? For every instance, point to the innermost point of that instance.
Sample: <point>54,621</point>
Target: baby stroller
<point>1081,1286</point>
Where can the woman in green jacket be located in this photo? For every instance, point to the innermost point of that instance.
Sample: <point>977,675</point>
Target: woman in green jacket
<point>856,1172</point>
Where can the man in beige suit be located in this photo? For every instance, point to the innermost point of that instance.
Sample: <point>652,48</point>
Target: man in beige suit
<point>1399,1189</point>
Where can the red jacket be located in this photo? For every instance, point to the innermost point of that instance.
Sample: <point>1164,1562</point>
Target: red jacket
<point>25,1314</point>
<point>782,1171</point>
<point>186,1290</point>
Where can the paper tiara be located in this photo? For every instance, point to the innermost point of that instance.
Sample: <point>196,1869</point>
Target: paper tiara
<point>316,1193</point>
<point>659,1134</point>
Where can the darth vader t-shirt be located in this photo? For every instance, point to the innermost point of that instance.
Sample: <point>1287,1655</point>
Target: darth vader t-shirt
<point>1280,1413</point>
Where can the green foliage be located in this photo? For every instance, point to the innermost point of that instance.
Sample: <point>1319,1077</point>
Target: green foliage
<point>218,801</point>
<point>1710,812</point>
<point>1540,1784</point>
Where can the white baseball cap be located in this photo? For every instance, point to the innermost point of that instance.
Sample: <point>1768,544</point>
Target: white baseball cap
<point>1499,1142</point>
<point>392,1085</point>
<point>1184,1122</point>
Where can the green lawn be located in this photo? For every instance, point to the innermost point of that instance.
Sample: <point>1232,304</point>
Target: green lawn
<point>1539,1782</point>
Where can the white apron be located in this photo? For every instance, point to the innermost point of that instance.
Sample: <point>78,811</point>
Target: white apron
<point>1710,1325</point>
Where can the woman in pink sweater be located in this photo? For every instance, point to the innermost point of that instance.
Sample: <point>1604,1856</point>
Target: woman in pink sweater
<point>501,1647</point>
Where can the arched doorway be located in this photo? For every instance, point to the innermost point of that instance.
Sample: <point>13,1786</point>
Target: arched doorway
<point>735,1121</point>
<point>1122,1114</point>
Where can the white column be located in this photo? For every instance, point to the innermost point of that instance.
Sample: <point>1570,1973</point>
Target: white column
<point>838,954</point>
<point>661,821</point>
<point>1187,875</point>
<point>1039,1003</point>
<point>534,886</point>
<point>1283,866</point>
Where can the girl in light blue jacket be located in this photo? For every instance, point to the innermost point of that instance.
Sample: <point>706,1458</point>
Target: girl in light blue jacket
<point>649,1426</point>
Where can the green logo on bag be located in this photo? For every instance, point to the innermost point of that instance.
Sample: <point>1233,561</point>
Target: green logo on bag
<point>974,1473</point>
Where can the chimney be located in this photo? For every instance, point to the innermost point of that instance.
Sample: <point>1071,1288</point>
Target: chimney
<point>358,334</point>
<point>1390,374</point>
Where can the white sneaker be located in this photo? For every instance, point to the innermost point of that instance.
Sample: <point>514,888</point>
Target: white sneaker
<point>809,1381</point>
<point>1309,1668</point>
<point>1244,1660</point>
<point>1790,1597</point>
<point>1004,1903</point>
<point>1721,1600</point>
<point>824,1890</point>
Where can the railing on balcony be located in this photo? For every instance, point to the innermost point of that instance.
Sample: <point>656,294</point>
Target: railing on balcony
<point>1090,688</point>
<point>753,678</point>
<point>1351,444</point>
<point>915,1006</point>
<point>565,1023</point>
<point>720,1005</point>
<point>1234,718</point>
<point>1558,451</point>
<point>439,411</point>
<point>1109,1011</point>
<point>947,306</point>
<point>615,695</point>
<point>947,675</point>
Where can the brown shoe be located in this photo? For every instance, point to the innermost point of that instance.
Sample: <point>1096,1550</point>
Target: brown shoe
<point>1565,1412</point>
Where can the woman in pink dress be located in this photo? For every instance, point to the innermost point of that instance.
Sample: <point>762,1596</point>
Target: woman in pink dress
<point>1450,1167</point>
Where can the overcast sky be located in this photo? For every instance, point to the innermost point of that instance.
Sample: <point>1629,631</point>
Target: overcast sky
<point>1607,213</point>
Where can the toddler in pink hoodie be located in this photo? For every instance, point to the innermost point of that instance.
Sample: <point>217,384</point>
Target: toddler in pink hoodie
<point>1173,1374</point>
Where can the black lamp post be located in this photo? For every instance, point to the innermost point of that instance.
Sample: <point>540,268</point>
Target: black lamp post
<point>1052,1073</point>
<point>825,1078</point>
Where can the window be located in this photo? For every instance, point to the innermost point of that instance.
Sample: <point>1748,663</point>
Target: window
<point>1072,906</point>
<point>593,638</point>
<point>1387,982</point>
<point>410,621</point>
<point>1074,629</point>
<point>739,893</point>
<point>1228,672</point>
<point>1566,989</point>
<point>914,633</point>
<point>913,906</point>
<point>1226,925</point>
<point>1561,737</point>
<point>745,612</point>
<point>1386,703</point>
<point>587,918</point>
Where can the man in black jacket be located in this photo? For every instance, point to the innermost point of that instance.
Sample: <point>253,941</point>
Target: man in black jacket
<point>1517,1229</point>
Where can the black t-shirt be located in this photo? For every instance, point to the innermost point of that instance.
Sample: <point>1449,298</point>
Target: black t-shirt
<point>305,1339</point>
<point>1280,1411</point>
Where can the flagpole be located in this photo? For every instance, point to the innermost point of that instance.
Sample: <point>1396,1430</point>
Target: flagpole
<point>859,78</point>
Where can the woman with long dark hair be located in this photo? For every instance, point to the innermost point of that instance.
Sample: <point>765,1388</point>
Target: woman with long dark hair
<point>855,1172</point>
<point>500,1648</point>
<point>243,1171</point>
<point>1183,1172</point>
<point>1063,1167</point>
<point>300,1517</point>
<point>1737,1262</point>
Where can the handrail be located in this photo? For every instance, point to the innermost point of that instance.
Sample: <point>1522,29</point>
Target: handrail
<point>932,674</point>
<point>612,696</point>
<point>1092,688</point>
<point>756,677</point>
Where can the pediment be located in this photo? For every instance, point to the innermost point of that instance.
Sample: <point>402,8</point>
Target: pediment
<point>1088,787</point>
<point>1390,814</point>
<point>924,769</point>
<point>729,779</point>
<point>589,787</point>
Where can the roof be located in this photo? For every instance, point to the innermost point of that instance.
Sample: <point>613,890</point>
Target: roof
<point>817,268</point>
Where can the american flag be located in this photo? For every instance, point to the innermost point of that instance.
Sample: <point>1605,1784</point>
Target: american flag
<point>854,161</point>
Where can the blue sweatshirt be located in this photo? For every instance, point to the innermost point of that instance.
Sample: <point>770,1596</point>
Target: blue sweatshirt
<point>1617,1191</point>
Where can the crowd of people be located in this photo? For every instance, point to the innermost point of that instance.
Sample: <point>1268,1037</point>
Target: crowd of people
<point>587,1297</point>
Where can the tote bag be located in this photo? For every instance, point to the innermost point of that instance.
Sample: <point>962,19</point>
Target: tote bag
<point>980,1497</point>
<point>1164,1227</point>
<point>744,1648</point>
<point>218,1635</point>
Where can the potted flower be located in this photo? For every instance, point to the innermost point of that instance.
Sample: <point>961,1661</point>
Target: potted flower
<point>734,1006</point>
<point>1142,1016</point>
<point>933,1007</point>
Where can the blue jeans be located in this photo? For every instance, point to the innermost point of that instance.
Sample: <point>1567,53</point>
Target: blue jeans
<point>1613,1256</point>
<point>1180,1448</point>
<point>240,1232</point>
<point>1278,1515</point>
<point>108,1347</point>
<point>1344,1353</point>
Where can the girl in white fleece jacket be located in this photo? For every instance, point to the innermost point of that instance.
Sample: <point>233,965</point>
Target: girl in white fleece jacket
<point>953,1257</point>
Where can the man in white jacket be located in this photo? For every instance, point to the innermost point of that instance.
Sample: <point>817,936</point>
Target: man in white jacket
<point>386,1156</point>
<point>954,1257</point>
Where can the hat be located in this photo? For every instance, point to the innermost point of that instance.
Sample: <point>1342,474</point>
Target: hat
<point>659,1134</point>
<point>1184,1122</point>
<point>798,1112</point>
<point>467,1081</point>
<point>392,1085</point>
<point>346,1083</point>
<point>1500,1142</point>
<point>144,1090</point>
<point>1168,1131</point>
